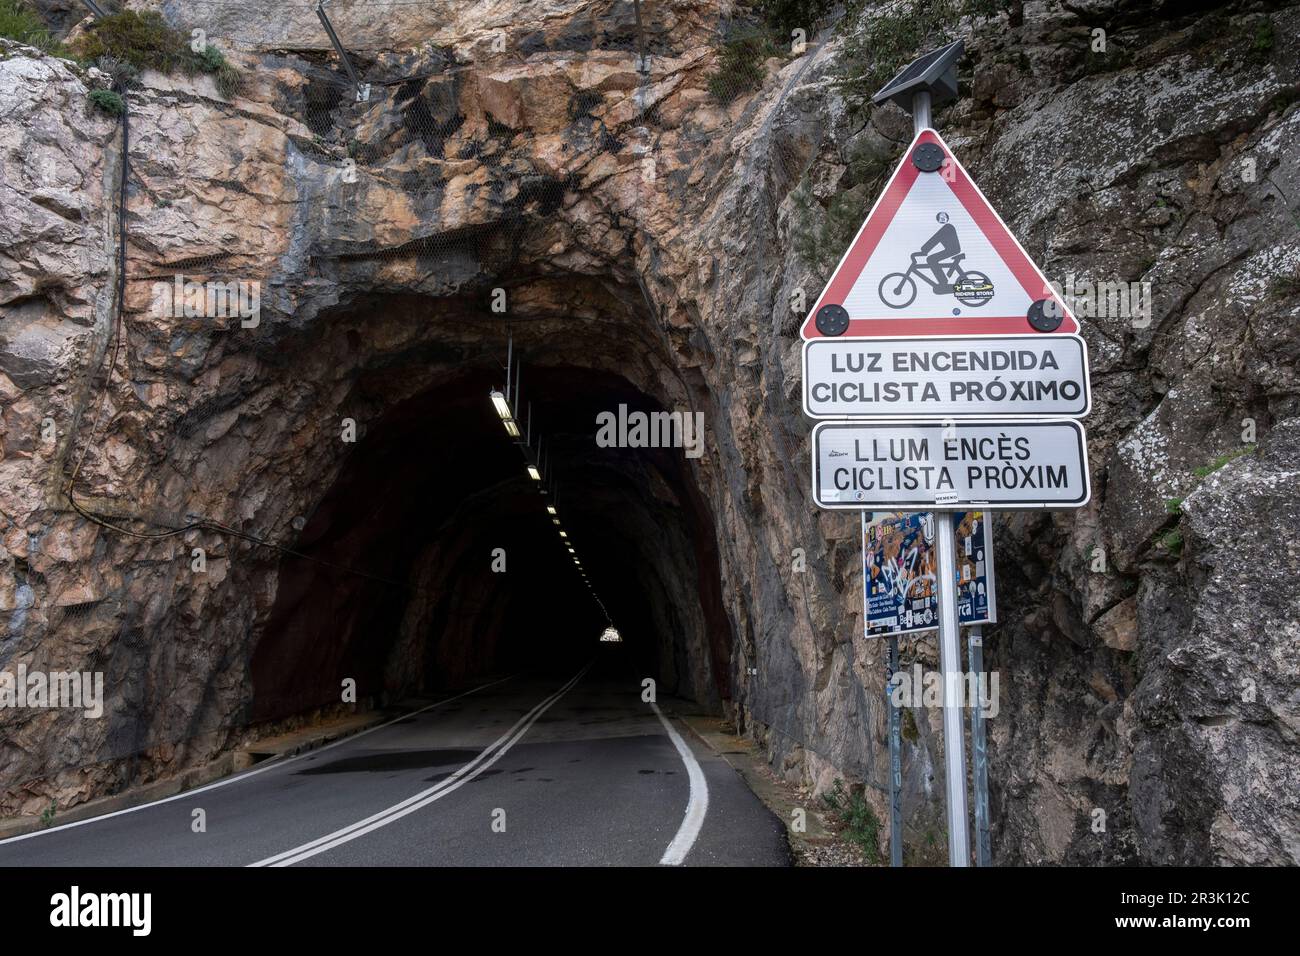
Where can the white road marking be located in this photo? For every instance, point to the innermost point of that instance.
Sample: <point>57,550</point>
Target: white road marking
<point>697,805</point>
<point>490,755</point>
<point>272,764</point>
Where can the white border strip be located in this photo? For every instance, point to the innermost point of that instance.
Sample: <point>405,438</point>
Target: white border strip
<point>490,755</point>
<point>697,805</point>
<point>272,764</point>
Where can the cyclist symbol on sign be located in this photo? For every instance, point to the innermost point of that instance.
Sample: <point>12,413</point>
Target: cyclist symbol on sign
<point>938,265</point>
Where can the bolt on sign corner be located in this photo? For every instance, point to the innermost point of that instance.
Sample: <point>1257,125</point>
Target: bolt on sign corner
<point>951,465</point>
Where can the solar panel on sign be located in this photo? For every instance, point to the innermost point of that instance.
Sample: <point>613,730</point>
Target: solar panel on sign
<point>935,73</point>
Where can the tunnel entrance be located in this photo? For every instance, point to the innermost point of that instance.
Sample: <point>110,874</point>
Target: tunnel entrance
<point>430,558</point>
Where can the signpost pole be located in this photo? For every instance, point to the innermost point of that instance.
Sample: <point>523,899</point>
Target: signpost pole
<point>979,751</point>
<point>954,747</point>
<point>895,761</point>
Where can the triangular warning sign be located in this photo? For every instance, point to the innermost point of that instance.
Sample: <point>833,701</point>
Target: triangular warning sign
<point>933,258</point>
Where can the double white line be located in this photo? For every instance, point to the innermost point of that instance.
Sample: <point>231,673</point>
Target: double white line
<point>494,752</point>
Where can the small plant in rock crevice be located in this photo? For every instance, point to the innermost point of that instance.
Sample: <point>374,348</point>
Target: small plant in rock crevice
<point>108,102</point>
<point>1171,540</point>
<point>860,823</point>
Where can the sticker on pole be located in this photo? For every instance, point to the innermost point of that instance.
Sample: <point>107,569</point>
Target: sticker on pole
<point>1041,376</point>
<point>933,258</point>
<point>899,562</point>
<point>950,465</point>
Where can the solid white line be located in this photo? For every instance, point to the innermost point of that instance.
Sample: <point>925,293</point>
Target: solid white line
<point>697,805</point>
<point>273,764</point>
<point>490,755</point>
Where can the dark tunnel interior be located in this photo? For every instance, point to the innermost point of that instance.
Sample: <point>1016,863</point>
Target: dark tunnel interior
<point>424,499</point>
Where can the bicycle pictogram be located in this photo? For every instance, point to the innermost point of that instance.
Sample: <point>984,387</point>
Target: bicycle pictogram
<point>938,265</point>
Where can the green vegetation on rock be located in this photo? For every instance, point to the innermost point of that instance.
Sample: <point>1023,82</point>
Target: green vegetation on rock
<point>740,65</point>
<point>20,22</point>
<point>145,41</point>
<point>107,101</point>
<point>820,244</point>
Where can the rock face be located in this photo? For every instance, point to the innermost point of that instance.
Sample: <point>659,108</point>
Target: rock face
<point>651,241</point>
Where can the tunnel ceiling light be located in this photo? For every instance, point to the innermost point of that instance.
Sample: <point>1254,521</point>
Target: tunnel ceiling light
<point>533,473</point>
<point>564,534</point>
<point>556,520</point>
<point>503,409</point>
<point>550,510</point>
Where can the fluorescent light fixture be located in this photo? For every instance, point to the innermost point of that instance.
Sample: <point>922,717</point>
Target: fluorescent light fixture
<point>550,510</point>
<point>503,409</point>
<point>533,473</point>
<point>555,520</point>
<point>564,534</point>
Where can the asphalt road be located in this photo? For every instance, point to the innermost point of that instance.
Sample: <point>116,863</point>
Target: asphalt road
<point>526,771</point>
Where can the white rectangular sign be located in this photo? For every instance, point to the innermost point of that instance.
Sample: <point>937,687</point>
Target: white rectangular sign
<point>946,377</point>
<point>950,466</point>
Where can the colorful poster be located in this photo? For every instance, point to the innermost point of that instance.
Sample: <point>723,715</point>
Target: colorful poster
<point>899,565</point>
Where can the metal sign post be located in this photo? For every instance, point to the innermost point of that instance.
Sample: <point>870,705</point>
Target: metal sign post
<point>954,750</point>
<point>895,761</point>
<point>979,750</point>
